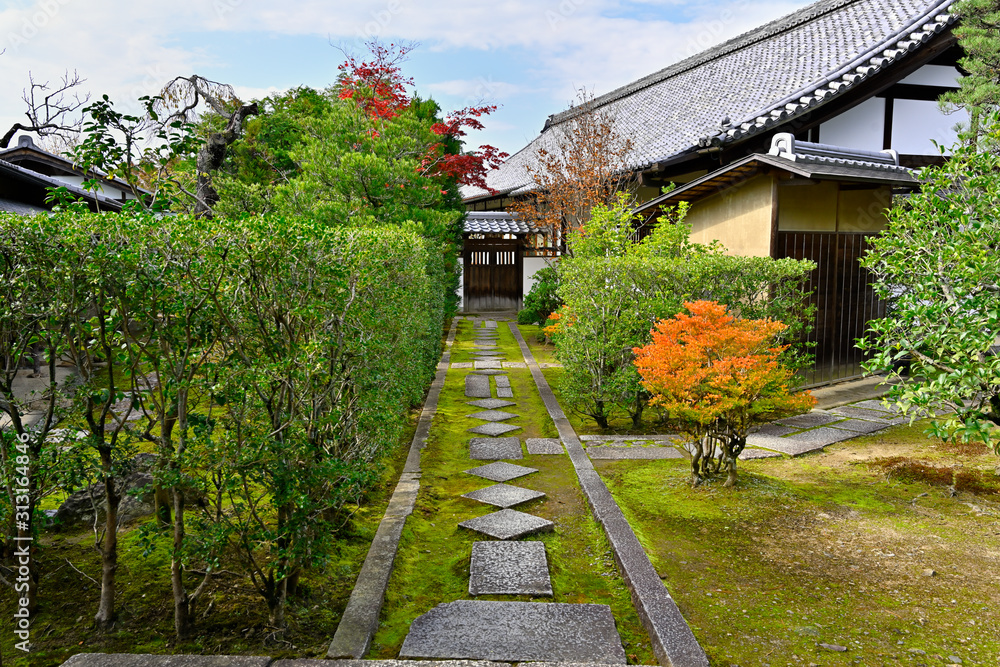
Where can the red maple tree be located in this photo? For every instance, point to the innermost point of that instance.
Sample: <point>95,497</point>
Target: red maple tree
<point>380,89</point>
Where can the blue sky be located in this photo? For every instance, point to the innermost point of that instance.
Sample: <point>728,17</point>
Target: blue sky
<point>527,56</point>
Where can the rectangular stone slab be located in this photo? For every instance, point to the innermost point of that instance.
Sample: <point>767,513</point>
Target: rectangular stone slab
<point>505,392</point>
<point>610,453</point>
<point>544,446</point>
<point>503,381</point>
<point>508,525</point>
<point>503,495</point>
<point>477,386</point>
<point>487,365</point>
<point>860,425</point>
<point>146,660</point>
<point>810,419</point>
<point>494,449</point>
<point>516,631</point>
<point>862,413</point>
<point>509,568</point>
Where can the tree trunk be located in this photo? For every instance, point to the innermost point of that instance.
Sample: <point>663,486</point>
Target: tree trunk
<point>600,416</point>
<point>161,503</point>
<point>276,605</point>
<point>109,550</point>
<point>182,604</point>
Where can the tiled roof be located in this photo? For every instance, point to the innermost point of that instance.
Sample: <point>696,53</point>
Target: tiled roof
<point>492,222</point>
<point>751,83</point>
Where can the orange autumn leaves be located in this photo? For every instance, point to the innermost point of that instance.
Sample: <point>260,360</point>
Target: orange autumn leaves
<point>710,368</point>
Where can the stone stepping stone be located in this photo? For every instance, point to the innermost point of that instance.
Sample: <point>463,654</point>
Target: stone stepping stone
<point>774,429</point>
<point>751,453</point>
<point>505,392</point>
<point>490,324</point>
<point>611,453</point>
<point>490,403</point>
<point>508,525</point>
<point>509,568</point>
<point>503,381</point>
<point>501,471</point>
<point>493,449</point>
<point>503,495</point>
<point>489,371</point>
<point>821,437</point>
<point>809,420</point>
<point>461,364</point>
<point>493,429</point>
<point>544,446</point>
<point>486,365</point>
<point>477,386</point>
<point>492,415</point>
<point>861,425</point>
<point>488,357</point>
<point>862,413</point>
<point>515,632</point>
<point>878,406</point>
<point>783,445</point>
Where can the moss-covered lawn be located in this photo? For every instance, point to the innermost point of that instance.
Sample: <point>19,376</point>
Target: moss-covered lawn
<point>829,549</point>
<point>432,566</point>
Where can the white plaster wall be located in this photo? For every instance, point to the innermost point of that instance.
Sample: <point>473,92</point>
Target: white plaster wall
<point>859,127</point>
<point>934,75</point>
<point>916,122</point>
<point>107,191</point>
<point>530,267</point>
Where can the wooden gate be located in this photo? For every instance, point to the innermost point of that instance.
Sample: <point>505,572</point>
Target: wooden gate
<point>492,275</point>
<point>842,293</point>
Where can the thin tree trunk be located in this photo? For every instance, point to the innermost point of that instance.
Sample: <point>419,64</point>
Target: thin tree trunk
<point>182,609</point>
<point>109,550</point>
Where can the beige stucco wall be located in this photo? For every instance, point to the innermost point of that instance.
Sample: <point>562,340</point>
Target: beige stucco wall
<point>739,218</point>
<point>825,207</point>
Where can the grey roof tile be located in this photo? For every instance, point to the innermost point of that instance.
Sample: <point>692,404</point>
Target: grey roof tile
<point>784,68</point>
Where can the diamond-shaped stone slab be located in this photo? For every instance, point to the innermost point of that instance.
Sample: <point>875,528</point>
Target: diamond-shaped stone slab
<point>516,632</point>
<point>493,449</point>
<point>490,403</point>
<point>544,446</point>
<point>509,568</point>
<point>501,471</point>
<point>489,371</point>
<point>509,525</point>
<point>860,425</point>
<point>862,413</point>
<point>477,386</point>
<point>487,365</point>
<point>503,495</point>
<point>493,429</point>
<point>492,415</point>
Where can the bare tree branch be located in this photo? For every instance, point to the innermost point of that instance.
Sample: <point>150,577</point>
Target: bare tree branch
<point>51,110</point>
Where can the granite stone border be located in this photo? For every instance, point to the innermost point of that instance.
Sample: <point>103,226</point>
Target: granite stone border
<point>360,619</point>
<point>149,660</point>
<point>672,640</point>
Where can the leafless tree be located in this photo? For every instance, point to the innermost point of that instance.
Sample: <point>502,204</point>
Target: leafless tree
<point>51,109</point>
<point>182,96</point>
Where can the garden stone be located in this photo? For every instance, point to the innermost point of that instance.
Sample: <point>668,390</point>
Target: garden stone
<point>490,324</point>
<point>822,436</point>
<point>477,386</point>
<point>462,364</point>
<point>861,413</point>
<point>503,381</point>
<point>501,471</point>
<point>489,371</point>
<point>492,449</point>
<point>610,438</point>
<point>786,445</point>
<point>751,453</point>
<point>514,364</point>
<point>776,430</point>
<point>503,495</point>
<point>860,426</point>
<point>876,405</point>
<point>515,632</point>
<point>544,446</point>
<point>509,568</point>
<point>145,660</point>
<point>493,429</point>
<point>490,403</point>
<point>606,452</point>
<point>508,524</point>
<point>486,365</point>
<point>137,498</point>
<point>492,415</point>
<point>809,420</point>
<point>505,392</point>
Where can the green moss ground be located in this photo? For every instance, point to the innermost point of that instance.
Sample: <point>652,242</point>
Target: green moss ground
<point>825,549</point>
<point>432,566</point>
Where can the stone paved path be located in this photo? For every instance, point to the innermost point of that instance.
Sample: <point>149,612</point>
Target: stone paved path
<point>508,631</point>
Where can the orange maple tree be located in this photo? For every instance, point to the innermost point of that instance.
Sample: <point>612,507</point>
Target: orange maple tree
<point>715,377</point>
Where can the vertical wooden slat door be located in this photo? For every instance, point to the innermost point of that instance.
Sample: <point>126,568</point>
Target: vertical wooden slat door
<point>493,279</point>
<point>842,293</point>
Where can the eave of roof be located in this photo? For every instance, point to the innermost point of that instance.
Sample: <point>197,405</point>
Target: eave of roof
<point>494,222</point>
<point>745,168</point>
<point>44,181</point>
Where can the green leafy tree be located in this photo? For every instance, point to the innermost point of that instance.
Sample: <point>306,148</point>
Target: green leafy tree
<point>936,265</point>
<point>979,35</point>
